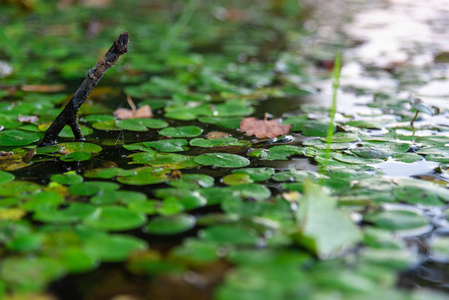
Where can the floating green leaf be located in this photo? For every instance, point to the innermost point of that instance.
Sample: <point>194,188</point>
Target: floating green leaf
<point>75,212</point>
<point>90,188</point>
<point>237,179</point>
<point>182,131</point>
<point>145,176</point>
<point>283,152</point>
<point>6,177</point>
<point>67,178</point>
<point>80,146</point>
<point>256,174</point>
<point>114,218</point>
<point>113,248</point>
<point>124,197</point>
<point>140,124</point>
<point>324,229</point>
<point>397,220</point>
<point>15,137</point>
<point>226,141</point>
<point>28,274</point>
<point>193,181</point>
<point>222,160</point>
<point>170,145</point>
<point>75,156</point>
<point>169,225</point>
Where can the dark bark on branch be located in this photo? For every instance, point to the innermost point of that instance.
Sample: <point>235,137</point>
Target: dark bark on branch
<point>69,115</point>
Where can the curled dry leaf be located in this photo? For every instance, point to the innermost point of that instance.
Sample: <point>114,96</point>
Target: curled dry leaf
<point>28,119</point>
<point>264,128</point>
<point>133,113</point>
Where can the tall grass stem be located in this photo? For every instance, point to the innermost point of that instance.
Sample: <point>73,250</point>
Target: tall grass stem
<point>332,110</point>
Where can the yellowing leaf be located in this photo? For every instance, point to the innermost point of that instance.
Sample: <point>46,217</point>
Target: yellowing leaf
<point>11,214</point>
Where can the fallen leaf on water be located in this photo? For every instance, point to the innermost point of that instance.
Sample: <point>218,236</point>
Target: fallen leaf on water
<point>216,135</point>
<point>133,113</point>
<point>43,88</point>
<point>27,119</point>
<point>264,128</point>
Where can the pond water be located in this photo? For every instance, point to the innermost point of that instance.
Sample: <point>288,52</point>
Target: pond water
<point>157,209</point>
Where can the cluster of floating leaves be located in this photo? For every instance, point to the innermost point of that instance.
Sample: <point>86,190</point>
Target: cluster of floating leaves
<point>189,174</point>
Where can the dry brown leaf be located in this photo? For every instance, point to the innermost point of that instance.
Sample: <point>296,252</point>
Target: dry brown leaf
<point>216,135</point>
<point>133,113</point>
<point>43,88</point>
<point>28,119</point>
<point>264,128</point>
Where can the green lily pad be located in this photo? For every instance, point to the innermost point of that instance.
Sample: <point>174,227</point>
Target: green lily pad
<point>237,179</point>
<point>80,146</point>
<point>252,191</point>
<point>166,160</point>
<point>124,197</point>
<point>226,141</point>
<point>222,160</point>
<point>145,176</point>
<point>188,199</point>
<point>74,213</point>
<point>294,175</point>
<point>193,181</point>
<point>356,159</point>
<point>107,126</point>
<point>170,225</point>
<point>6,177</point>
<point>141,124</point>
<point>76,156</point>
<point>407,157</point>
<point>182,131</point>
<point>417,195</point>
<point>230,123</point>
<point>149,207</point>
<point>15,137</point>
<point>109,173</point>
<point>30,274</point>
<point>397,220</point>
<point>370,152</point>
<point>15,188</point>
<point>67,132</point>
<point>114,218</point>
<point>170,145</point>
<point>42,199</point>
<point>319,144</point>
<point>342,137</point>
<point>283,152</point>
<point>49,149</point>
<point>25,242</point>
<point>67,178</point>
<point>229,235</point>
<point>90,188</point>
<point>171,207</point>
<point>75,260</point>
<point>256,174</point>
<point>113,248</point>
<point>323,229</point>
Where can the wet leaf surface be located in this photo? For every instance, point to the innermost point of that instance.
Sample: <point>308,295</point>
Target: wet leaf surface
<point>204,209</point>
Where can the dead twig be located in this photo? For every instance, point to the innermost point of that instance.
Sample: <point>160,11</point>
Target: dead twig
<point>69,115</point>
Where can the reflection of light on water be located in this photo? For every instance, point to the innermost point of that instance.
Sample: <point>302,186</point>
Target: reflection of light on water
<point>420,133</point>
<point>400,169</point>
